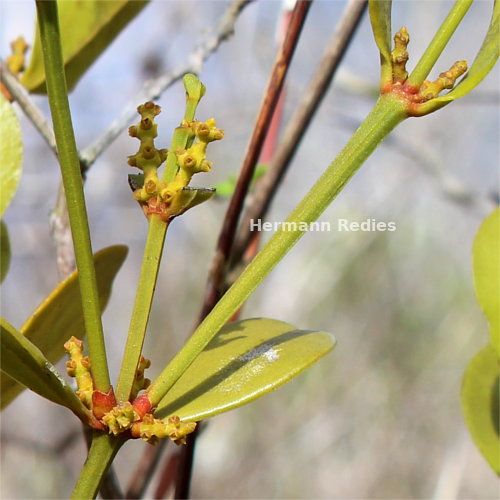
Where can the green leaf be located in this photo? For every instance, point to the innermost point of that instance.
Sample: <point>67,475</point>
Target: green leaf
<point>380,17</point>
<point>486,266</point>
<point>60,315</point>
<point>4,251</point>
<point>24,362</point>
<point>87,28</point>
<point>482,65</point>
<point>244,361</point>
<point>480,400</point>
<point>11,153</point>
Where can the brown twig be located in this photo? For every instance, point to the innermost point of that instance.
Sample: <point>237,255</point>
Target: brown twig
<point>226,236</point>
<point>144,471</point>
<point>59,222</point>
<point>268,184</point>
<point>271,96</point>
<point>29,108</point>
<point>168,476</point>
<point>110,487</point>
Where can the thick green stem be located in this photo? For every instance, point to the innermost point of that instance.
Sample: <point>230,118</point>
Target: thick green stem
<point>439,42</point>
<point>73,187</point>
<point>387,113</point>
<point>152,254</point>
<point>101,454</point>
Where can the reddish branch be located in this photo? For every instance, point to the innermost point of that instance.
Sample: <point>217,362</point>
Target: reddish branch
<point>310,102</point>
<point>271,97</point>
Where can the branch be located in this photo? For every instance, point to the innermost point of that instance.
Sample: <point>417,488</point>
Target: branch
<point>154,88</point>
<point>145,469</point>
<point>30,109</point>
<point>310,102</point>
<point>271,96</point>
<point>59,222</point>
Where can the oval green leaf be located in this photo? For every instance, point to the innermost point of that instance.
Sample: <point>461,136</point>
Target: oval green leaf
<point>60,315</point>
<point>4,251</point>
<point>480,404</point>
<point>380,18</point>
<point>11,153</point>
<point>87,28</point>
<point>25,363</point>
<point>486,266</point>
<point>485,59</point>
<point>244,361</point>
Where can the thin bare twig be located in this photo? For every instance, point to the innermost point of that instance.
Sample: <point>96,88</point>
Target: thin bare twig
<point>30,109</point>
<point>271,96</point>
<point>59,222</point>
<point>154,88</point>
<point>310,102</point>
<point>110,487</point>
<point>145,469</point>
<point>229,226</point>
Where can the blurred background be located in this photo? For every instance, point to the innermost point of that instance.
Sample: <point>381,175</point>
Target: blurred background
<point>379,417</point>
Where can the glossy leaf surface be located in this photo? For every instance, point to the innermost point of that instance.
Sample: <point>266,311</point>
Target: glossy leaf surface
<point>24,362</point>
<point>4,251</point>
<point>480,404</point>
<point>87,28</point>
<point>11,153</point>
<point>60,315</point>
<point>380,18</point>
<point>246,360</point>
<point>486,264</point>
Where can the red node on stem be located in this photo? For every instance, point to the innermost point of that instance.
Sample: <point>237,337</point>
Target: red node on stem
<point>103,402</point>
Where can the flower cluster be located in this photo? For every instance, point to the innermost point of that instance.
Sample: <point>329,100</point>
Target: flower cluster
<point>428,90</point>
<point>158,197</point>
<point>120,417</point>
<point>79,367</point>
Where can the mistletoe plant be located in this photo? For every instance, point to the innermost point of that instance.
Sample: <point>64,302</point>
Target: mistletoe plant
<point>222,365</point>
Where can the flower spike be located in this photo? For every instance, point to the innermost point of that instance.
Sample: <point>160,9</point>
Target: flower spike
<point>151,429</point>
<point>79,367</point>
<point>399,55</point>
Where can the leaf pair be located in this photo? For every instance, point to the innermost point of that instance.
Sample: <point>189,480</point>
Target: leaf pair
<point>480,385</point>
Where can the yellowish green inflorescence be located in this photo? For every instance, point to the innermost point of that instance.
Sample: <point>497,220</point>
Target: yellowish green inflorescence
<point>16,61</point>
<point>399,55</point>
<point>151,429</point>
<point>79,367</point>
<point>429,90</point>
<point>166,199</point>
